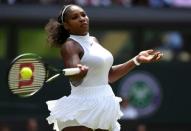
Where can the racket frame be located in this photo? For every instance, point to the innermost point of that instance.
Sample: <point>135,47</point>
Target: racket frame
<point>38,58</point>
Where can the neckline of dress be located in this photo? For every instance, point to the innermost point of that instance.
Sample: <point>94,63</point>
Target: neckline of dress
<point>81,36</point>
<point>84,37</point>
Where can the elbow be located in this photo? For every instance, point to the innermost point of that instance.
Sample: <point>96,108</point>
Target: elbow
<point>110,79</point>
<point>110,82</point>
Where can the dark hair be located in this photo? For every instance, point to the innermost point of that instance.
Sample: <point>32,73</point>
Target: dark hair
<point>57,34</point>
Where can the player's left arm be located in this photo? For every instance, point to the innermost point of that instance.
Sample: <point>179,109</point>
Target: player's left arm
<point>147,56</point>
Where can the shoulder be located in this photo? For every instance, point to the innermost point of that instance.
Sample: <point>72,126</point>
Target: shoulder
<point>95,39</point>
<point>70,46</point>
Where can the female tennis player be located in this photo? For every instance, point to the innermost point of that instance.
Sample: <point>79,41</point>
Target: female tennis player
<point>92,105</point>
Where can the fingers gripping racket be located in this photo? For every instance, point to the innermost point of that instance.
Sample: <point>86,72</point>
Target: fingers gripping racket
<point>28,73</point>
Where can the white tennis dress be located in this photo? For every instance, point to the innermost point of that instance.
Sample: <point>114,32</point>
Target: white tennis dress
<point>92,103</point>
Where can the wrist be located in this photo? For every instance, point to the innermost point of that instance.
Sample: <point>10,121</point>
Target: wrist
<point>136,62</point>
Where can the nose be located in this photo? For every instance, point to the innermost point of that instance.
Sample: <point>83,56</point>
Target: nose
<point>82,19</point>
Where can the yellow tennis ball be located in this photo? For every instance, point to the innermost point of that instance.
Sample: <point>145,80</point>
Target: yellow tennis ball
<point>26,73</point>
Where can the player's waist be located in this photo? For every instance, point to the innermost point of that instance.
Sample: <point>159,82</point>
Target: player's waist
<point>92,90</point>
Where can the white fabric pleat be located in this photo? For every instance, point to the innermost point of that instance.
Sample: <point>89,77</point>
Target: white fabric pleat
<point>93,111</point>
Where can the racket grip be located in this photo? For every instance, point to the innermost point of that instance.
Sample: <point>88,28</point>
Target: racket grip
<point>71,71</point>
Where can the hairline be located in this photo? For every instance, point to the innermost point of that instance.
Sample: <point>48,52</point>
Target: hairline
<point>65,11</point>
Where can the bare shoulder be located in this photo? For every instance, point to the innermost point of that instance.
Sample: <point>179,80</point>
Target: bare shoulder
<point>70,46</point>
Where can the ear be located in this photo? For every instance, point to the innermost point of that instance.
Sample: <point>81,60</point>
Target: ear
<point>66,26</point>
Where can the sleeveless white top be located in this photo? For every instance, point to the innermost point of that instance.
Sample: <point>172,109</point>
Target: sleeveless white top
<point>92,103</point>
<point>98,59</point>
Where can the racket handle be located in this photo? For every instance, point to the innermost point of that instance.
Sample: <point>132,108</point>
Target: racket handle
<point>71,71</point>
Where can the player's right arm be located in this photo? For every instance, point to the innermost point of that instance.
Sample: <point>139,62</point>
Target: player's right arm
<point>71,53</point>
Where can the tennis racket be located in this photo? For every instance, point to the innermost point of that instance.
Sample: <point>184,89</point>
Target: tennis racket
<point>28,73</point>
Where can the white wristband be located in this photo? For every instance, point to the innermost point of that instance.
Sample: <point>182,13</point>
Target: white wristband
<point>135,61</point>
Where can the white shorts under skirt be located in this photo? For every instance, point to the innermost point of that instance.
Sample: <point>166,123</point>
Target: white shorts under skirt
<point>93,107</point>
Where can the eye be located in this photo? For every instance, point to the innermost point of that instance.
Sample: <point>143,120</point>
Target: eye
<point>83,14</point>
<point>74,17</point>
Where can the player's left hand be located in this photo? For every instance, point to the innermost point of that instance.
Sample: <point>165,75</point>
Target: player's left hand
<point>148,56</point>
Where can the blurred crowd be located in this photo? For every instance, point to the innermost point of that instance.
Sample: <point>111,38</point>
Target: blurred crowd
<point>35,124</point>
<point>95,3</point>
<point>30,124</point>
<point>174,44</point>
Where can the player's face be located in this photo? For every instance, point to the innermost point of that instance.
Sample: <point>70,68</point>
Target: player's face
<point>77,22</point>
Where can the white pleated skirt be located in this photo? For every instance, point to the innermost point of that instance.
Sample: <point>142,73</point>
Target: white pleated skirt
<point>95,107</point>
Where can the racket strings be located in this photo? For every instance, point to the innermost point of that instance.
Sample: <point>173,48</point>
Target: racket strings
<point>34,84</point>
